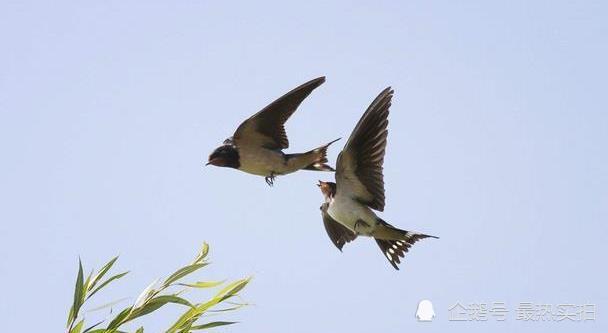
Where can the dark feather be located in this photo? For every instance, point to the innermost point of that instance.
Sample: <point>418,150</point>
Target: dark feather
<point>393,249</point>
<point>359,166</point>
<point>338,233</point>
<point>267,126</point>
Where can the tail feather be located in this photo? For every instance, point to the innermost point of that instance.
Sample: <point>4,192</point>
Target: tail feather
<point>320,162</point>
<point>395,243</point>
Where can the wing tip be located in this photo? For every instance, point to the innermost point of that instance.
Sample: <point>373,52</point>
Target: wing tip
<point>317,81</point>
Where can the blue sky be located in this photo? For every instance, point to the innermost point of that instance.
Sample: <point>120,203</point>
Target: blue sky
<point>497,143</point>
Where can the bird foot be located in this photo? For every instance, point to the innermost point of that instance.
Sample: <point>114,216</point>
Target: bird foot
<point>270,179</point>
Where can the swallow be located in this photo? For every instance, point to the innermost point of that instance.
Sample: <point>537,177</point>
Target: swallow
<point>257,144</point>
<point>348,210</point>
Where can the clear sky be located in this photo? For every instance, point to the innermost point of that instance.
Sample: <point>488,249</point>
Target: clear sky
<point>497,143</point>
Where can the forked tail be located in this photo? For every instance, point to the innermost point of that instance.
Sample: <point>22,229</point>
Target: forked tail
<point>394,242</point>
<point>318,157</point>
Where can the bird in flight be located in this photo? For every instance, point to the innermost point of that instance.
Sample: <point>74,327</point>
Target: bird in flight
<point>359,189</point>
<point>257,145</point>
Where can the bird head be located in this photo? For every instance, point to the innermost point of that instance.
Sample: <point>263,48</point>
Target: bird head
<point>328,189</point>
<point>225,156</point>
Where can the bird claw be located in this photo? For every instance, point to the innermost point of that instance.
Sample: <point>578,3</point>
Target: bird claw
<point>270,179</point>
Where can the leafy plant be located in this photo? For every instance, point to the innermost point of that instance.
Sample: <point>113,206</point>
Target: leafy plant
<point>155,296</point>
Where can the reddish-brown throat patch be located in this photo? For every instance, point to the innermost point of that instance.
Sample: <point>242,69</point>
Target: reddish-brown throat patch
<point>327,188</point>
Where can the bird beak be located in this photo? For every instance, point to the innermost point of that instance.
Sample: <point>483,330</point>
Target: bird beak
<point>320,183</point>
<point>212,161</point>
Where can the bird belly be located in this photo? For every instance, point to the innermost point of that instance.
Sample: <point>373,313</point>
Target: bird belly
<point>353,215</point>
<point>261,161</point>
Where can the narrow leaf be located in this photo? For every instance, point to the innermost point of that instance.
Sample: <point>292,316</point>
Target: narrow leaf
<point>78,327</point>
<point>107,305</point>
<point>105,283</point>
<point>232,289</point>
<point>85,286</point>
<point>119,319</point>
<point>90,328</point>
<point>202,253</point>
<point>144,295</point>
<point>180,273</point>
<point>102,272</point>
<point>212,324</point>
<point>171,299</point>
<point>192,314</point>
<point>202,284</point>
<point>236,307</point>
<point>77,295</point>
<point>156,303</point>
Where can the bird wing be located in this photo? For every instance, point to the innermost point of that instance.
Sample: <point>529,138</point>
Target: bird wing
<point>359,166</point>
<point>338,233</point>
<point>266,128</point>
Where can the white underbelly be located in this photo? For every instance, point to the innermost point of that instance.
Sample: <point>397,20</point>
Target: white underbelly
<point>350,214</point>
<point>261,161</point>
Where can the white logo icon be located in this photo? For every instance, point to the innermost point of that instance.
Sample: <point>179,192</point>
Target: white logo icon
<point>425,311</point>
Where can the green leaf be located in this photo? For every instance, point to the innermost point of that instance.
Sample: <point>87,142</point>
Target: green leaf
<point>202,284</point>
<point>144,310</point>
<point>108,305</point>
<point>202,254</point>
<point>171,299</point>
<point>236,307</point>
<point>78,295</point>
<point>232,289</point>
<point>105,283</point>
<point>102,272</point>
<point>85,285</point>
<point>192,314</point>
<point>70,316</point>
<point>90,328</point>
<point>212,324</point>
<point>146,294</point>
<point>153,298</point>
<point>78,327</point>
<point>119,319</point>
<point>156,303</point>
<point>105,330</point>
<point>180,273</point>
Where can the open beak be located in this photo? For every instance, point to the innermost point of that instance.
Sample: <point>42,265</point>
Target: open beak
<point>320,183</point>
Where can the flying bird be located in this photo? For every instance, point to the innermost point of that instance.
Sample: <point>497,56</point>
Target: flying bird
<point>359,188</point>
<point>257,144</point>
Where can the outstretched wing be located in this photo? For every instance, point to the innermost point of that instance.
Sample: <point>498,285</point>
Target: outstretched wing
<point>359,166</point>
<point>266,128</point>
<point>338,233</point>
